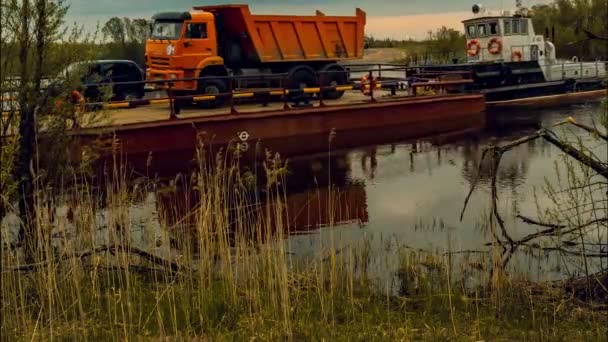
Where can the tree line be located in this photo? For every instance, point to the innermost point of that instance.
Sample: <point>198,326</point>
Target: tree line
<point>567,22</point>
<point>125,38</point>
<point>442,45</point>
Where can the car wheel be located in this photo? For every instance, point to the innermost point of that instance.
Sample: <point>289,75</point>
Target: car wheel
<point>130,96</point>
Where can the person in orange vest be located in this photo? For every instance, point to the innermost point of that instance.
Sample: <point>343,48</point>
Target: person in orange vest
<point>78,101</point>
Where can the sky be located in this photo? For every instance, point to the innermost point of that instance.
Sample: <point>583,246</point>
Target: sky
<point>398,19</point>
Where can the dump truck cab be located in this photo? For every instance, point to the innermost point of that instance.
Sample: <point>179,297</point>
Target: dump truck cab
<point>182,44</point>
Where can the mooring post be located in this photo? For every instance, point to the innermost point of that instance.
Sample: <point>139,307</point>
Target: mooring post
<point>372,85</point>
<point>231,94</point>
<point>321,79</point>
<point>285,93</point>
<point>173,106</point>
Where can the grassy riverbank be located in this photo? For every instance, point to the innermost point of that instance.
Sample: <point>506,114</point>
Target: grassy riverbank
<point>107,267</point>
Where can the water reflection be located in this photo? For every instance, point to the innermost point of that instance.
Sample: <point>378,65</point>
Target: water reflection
<point>388,186</point>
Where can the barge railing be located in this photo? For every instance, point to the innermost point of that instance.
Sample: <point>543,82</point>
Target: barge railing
<point>375,82</point>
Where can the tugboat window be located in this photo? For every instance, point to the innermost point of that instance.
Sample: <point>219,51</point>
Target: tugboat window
<point>481,29</point>
<point>494,28</point>
<point>471,31</point>
<point>515,26</point>
<point>507,26</point>
<point>524,27</point>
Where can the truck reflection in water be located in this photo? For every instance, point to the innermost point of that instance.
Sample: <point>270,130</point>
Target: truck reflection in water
<point>320,187</point>
<point>316,193</point>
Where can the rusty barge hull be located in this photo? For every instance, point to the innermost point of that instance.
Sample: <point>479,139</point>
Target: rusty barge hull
<point>280,125</point>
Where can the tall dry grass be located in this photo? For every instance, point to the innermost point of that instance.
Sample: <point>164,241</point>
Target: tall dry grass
<point>116,263</point>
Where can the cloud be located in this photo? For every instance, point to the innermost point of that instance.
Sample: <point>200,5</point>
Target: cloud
<point>413,26</point>
<point>388,18</point>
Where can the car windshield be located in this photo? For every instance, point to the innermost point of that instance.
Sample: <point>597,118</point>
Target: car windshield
<point>74,70</point>
<point>166,30</point>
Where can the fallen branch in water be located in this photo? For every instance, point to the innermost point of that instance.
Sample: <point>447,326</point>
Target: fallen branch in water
<point>549,136</point>
<point>598,167</point>
<point>66,257</point>
<point>150,257</point>
<point>578,288</point>
<point>553,229</point>
<point>174,267</point>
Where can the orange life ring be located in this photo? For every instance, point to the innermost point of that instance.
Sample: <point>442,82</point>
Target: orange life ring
<point>516,56</point>
<point>495,46</point>
<point>473,43</point>
<point>365,81</point>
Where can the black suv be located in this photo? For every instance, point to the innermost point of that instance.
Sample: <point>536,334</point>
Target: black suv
<point>96,74</point>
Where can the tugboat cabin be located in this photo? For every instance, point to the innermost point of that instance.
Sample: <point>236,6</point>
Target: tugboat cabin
<point>505,38</point>
<point>506,60</point>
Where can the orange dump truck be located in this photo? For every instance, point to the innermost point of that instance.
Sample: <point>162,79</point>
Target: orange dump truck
<point>228,40</point>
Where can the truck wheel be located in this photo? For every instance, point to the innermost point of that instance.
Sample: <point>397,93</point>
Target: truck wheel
<point>212,87</point>
<point>334,78</point>
<point>300,79</point>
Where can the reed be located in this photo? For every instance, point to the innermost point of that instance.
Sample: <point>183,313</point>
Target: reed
<point>207,256</point>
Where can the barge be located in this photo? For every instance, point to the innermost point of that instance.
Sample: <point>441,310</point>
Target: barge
<point>149,129</point>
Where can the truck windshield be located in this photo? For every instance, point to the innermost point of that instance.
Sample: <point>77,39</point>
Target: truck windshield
<point>166,30</point>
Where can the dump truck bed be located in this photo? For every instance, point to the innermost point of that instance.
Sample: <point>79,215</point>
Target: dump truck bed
<point>246,39</point>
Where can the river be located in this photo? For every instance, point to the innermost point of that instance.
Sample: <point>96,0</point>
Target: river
<point>400,193</point>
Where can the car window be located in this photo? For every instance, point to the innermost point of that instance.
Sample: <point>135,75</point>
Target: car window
<point>120,72</point>
<point>107,69</point>
<point>94,74</point>
<point>133,72</point>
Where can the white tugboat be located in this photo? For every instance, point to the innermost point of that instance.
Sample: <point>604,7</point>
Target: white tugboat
<point>510,63</point>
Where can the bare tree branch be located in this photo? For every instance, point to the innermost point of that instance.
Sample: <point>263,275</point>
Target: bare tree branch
<point>576,154</point>
<point>589,129</point>
<point>537,223</point>
<point>555,230</point>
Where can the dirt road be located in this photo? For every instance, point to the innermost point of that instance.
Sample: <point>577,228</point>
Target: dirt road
<point>381,55</point>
